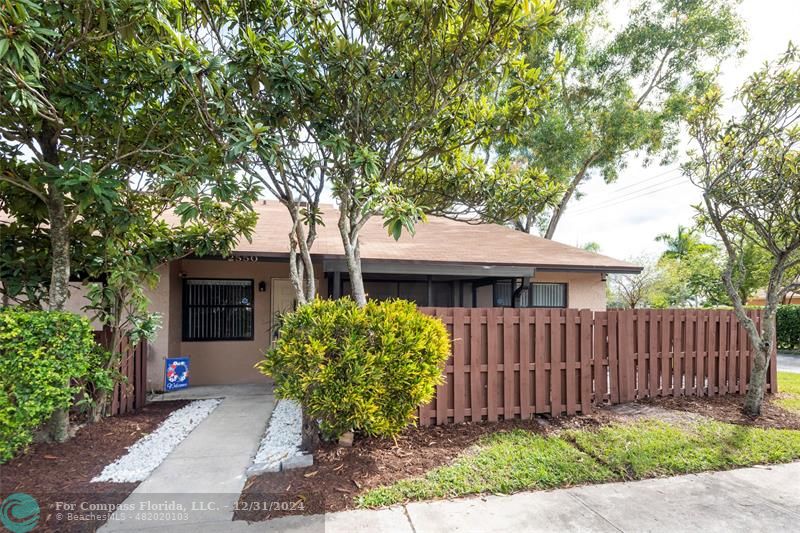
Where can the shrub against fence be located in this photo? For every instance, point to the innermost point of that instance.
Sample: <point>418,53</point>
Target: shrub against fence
<point>511,363</point>
<point>788,327</point>
<point>130,392</point>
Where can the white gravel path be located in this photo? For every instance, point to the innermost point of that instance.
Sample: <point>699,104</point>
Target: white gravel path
<point>283,438</point>
<point>149,451</point>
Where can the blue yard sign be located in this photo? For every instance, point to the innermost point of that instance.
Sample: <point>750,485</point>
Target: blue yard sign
<point>177,374</point>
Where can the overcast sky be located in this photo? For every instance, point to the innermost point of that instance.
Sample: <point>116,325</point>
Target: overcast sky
<point>625,217</point>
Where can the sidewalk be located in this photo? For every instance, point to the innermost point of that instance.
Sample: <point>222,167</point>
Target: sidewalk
<point>751,499</point>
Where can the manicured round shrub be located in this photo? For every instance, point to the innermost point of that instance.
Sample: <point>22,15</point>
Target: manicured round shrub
<point>362,369</point>
<point>41,353</point>
<point>787,327</point>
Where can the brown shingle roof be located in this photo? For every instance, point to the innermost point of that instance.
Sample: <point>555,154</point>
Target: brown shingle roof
<point>439,240</point>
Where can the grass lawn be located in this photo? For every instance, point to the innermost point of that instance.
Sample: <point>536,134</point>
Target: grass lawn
<point>511,461</point>
<point>789,391</point>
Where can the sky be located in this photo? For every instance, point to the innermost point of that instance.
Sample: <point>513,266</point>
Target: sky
<point>625,217</point>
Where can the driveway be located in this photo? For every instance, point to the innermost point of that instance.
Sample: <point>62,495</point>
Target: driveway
<point>788,363</point>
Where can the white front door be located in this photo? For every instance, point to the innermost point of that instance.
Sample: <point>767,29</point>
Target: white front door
<point>282,301</point>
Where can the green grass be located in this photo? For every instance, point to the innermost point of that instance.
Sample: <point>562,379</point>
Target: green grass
<point>507,462</point>
<point>652,448</point>
<point>503,462</point>
<point>789,389</point>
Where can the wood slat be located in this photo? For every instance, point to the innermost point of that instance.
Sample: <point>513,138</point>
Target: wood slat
<point>555,360</point>
<point>677,349</point>
<point>475,385</point>
<point>540,382</point>
<point>524,363</point>
<point>667,319</point>
<point>599,353</point>
<point>586,361</point>
<point>493,355</point>
<point>571,353</point>
<point>459,392</point>
<point>700,360</point>
<point>509,376</point>
<point>688,360</point>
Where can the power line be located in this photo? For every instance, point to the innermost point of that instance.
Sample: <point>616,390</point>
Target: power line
<point>651,178</point>
<point>624,200</point>
<point>676,180</point>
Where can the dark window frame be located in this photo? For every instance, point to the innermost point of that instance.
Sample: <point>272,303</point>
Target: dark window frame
<point>185,337</point>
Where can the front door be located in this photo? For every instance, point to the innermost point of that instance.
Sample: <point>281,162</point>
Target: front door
<point>282,301</point>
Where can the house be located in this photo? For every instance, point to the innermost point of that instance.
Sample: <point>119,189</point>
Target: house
<point>221,312</point>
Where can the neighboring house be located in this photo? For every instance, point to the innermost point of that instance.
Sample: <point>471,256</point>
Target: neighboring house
<point>221,312</point>
<point>760,298</point>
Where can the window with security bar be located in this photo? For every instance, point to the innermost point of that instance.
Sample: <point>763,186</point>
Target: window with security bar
<point>217,309</point>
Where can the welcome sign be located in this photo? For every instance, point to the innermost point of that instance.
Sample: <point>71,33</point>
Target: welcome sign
<point>177,373</point>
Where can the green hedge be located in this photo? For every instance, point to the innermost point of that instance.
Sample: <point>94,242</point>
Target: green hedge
<point>362,369</point>
<point>788,327</point>
<point>41,353</point>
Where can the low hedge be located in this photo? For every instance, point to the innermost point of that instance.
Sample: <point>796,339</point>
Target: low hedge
<point>787,328</point>
<point>362,369</point>
<point>42,353</point>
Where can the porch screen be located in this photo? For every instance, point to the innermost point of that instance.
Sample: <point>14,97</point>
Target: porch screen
<point>217,309</point>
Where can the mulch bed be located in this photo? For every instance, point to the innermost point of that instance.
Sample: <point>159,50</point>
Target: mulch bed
<point>339,474</point>
<point>729,409</point>
<point>62,472</point>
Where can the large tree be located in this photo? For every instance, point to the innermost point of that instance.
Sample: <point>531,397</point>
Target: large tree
<point>748,168</point>
<point>406,85</point>
<point>90,99</point>
<point>93,112</point>
<point>618,90</point>
<point>262,104</point>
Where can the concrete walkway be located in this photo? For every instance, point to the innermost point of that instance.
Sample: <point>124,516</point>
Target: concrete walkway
<point>206,470</point>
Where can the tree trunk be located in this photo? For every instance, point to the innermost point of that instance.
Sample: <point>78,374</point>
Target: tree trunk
<point>352,256</point>
<point>58,427</point>
<point>310,434</point>
<point>758,382</point>
<point>59,251</point>
<point>562,205</point>
<point>762,351</point>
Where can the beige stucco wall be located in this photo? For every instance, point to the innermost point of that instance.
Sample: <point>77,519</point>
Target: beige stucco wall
<point>585,290</point>
<point>213,362</point>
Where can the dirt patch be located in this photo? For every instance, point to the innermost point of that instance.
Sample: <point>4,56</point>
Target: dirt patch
<point>729,409</point>
<point>62,472</point>
<point>339,474</point>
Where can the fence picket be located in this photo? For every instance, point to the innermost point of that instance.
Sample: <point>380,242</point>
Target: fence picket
<point>555,361</point>
<point>571,352</point>
<point>458,364</point>
<point>599,357</point>
<point>700,360</point>
<point>524,363</point>
<point>475,385</point>
<point>585,371</point>
<point>491,370</point>
<point>541,385</point>
<point>509,376</point>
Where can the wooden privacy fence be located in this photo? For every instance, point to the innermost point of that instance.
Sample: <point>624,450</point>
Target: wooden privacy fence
<point>514,363</point>
<point>131,394</point>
